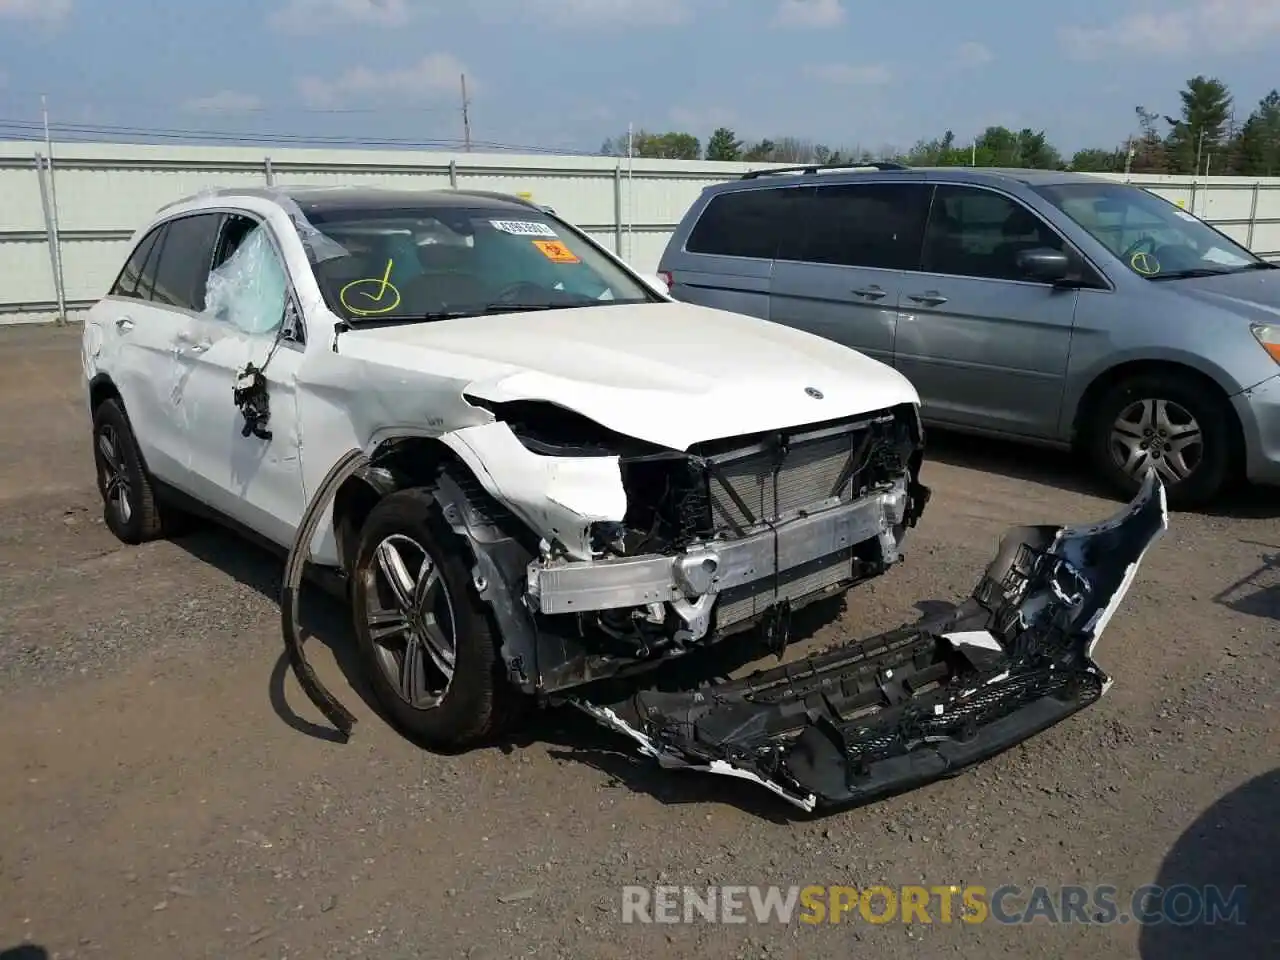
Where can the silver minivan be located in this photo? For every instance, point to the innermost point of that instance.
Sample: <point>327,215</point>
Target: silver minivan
<point>1051,307</point>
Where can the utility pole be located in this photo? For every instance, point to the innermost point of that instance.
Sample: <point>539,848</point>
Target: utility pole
<point>466,116</point>
<point>58,280</point>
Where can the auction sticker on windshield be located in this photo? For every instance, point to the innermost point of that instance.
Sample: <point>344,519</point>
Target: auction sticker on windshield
<point>556,251</point>
<point>523,228</point>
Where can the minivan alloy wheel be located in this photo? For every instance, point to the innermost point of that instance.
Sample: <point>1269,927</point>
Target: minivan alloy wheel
<point>411,621</point>
<point>1160,434</point>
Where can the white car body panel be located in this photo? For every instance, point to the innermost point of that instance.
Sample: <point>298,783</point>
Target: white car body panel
<point>668,373</point>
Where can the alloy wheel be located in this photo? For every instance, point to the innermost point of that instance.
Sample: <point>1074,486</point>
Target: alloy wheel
<point>113,478</point>
<point>1160,435</point>
<point>411,621</point>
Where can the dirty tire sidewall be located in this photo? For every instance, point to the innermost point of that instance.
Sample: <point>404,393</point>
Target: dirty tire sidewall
<point>144,520</point>
<point>1210,409</point>
<point>471,710</point>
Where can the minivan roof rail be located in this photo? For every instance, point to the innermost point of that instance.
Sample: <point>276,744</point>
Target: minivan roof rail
<point>815,167</point>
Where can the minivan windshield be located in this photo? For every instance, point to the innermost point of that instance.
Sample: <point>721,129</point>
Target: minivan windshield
<point>436,262</point>
<point>1152,237</point>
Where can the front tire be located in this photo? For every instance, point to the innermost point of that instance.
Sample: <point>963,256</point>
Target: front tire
<point>129,505</point>
<point>1178,426</point>
<point>423,632</point>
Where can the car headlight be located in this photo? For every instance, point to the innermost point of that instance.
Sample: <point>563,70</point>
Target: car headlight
<point>1268,334</point>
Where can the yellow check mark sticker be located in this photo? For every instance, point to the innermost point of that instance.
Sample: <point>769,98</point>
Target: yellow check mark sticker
<point>370,296</point>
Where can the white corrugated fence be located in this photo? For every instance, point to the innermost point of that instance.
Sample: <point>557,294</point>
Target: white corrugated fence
<point>103,192</point>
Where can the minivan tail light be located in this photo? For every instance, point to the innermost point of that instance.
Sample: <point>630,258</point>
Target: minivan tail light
<point>667,278</point>
<point>1268,334</point>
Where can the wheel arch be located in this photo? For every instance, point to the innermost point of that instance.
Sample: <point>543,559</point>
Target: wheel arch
<point>101,389</point>
<point>398,463</point>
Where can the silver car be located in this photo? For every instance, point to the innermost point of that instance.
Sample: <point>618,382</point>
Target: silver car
<point>1051,307</point>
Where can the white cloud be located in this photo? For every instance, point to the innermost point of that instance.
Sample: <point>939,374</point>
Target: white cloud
<point>434,76</point>
<point>1200,26</point>
<point>594,13</point>
<point>49,11</point>
<point>973,54</point>
<point>300,16</point>
<point>224,101</point>
<point>849,74</point>
<point>809,14</point>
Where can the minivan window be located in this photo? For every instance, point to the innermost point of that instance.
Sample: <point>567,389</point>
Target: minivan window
<point>184,261</point>
<point>874,225</point>
<point>979,233</point>
<point>747,223</point>
<point>1154,238</point>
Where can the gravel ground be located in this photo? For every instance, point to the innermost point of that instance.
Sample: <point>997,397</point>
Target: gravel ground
<point>161,798</point>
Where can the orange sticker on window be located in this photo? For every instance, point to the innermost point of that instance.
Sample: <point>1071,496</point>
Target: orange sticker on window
<point>556,251</point>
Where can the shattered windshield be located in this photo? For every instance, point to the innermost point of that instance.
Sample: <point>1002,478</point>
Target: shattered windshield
<point>1152,237</point>
<point>444,261</point>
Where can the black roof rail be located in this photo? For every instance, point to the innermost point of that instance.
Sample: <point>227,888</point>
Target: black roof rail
<point>815,167</point>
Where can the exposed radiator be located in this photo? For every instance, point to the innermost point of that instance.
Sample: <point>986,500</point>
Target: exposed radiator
<point>814,473</point>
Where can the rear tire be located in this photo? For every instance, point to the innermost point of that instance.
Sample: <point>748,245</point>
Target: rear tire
<point>424,633</point>
<point>1179,426</point>
<point>129,506</point>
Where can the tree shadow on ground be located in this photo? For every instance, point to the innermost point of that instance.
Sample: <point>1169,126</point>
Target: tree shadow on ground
<point>1067,471</point>
<point>1231,848</point>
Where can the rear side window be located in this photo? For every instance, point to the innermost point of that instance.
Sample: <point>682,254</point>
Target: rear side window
<point>127,284</point>
<point>748,223</point>
<point>185,257</point>
<point>874,225</point>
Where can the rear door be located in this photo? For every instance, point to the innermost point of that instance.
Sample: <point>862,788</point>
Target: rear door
<point>841,279</point>
<point>727,259</point>
<point>984,345</point>
<point>150,313</point>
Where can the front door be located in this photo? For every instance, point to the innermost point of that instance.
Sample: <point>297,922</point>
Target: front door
<point>842,279</point>
<point>984,345</point>
<point>258,474</point>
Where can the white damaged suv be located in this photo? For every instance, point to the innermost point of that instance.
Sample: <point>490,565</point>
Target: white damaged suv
<point>530,471</point>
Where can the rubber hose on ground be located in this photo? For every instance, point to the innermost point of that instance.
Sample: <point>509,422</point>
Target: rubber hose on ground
<point>295,567</point>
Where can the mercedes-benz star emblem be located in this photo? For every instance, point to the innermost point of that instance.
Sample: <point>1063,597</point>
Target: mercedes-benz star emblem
<point>813,392</point>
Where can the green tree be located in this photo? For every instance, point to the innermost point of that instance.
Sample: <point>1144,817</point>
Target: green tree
<point>1149,152</point>
<point>1201,130</point>
<point>672,145</point>
<point>1098,160</point>
<point>761,152</point>
<point>724,145</point>
<point>1258,146</point>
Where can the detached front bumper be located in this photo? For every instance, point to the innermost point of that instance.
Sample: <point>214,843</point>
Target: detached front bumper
<point>922,702</point>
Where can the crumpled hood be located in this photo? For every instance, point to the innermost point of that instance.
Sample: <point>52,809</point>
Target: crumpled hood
<point>673,374</point>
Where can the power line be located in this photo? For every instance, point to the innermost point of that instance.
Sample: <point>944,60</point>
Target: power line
<point>94,133</point>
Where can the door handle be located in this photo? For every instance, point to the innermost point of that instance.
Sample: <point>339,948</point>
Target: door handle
<point>124,324</point>
<point>872,292</point>
<point>929,299</point>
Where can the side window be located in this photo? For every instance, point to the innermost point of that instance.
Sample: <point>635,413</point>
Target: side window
<point>184,261</point>
<point>748,223</point>
<point>979,233</point>
<point>126,284</point>
<point>876,225</point>
<point>248,287</point>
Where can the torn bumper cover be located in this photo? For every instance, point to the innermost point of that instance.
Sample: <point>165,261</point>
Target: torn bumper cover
<point>920,703</point>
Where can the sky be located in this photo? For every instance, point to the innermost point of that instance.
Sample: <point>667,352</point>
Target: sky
<point>566,74</point>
